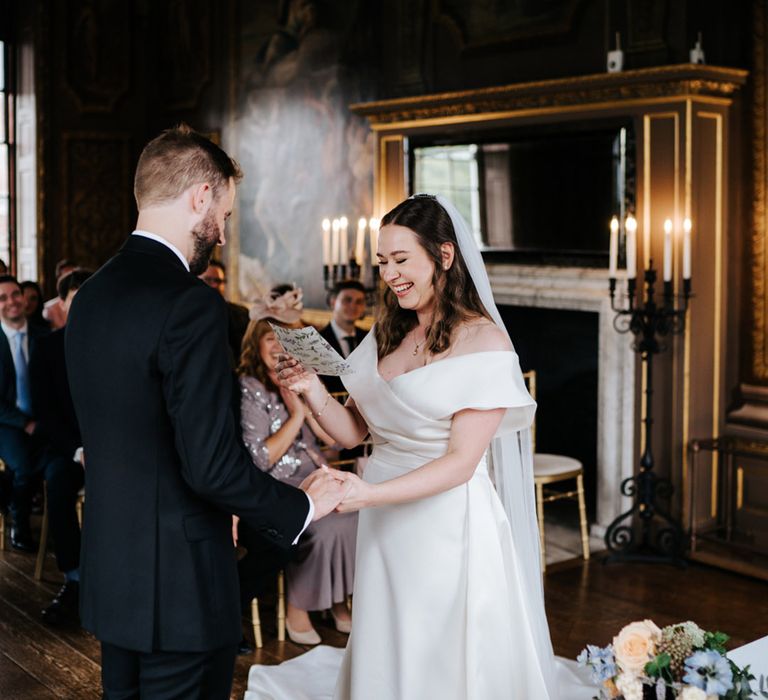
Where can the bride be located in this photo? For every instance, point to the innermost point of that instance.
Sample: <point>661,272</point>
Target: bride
<point>448,593</point>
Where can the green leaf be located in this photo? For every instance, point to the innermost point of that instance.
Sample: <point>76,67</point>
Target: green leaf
<point>659,667</point>
<point>715,641</point>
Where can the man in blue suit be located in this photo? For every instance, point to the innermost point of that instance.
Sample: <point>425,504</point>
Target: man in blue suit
<point>19,448</point>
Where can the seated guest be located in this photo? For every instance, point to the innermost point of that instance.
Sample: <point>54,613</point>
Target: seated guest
<point>215,276</point>
<point>33,304</point>
<point>281,437</point>
<point>57,427</point>
<point>347,303</point>
<point>53,309</point>
<point>21,450</point>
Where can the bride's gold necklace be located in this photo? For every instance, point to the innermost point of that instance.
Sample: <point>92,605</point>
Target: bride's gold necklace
<point>419,344</point>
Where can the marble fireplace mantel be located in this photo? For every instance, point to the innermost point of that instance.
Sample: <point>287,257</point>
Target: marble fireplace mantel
<point>586,289</point>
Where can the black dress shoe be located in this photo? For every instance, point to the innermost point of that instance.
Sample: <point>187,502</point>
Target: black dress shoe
<point>244,647</point>
<point>65,607</point>
<point>22,540</point>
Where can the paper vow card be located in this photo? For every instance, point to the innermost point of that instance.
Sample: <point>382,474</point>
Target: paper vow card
<point>312,350</point>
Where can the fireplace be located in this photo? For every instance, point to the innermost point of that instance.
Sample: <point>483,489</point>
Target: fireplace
<point>561,345</point>
<point>586,384</point>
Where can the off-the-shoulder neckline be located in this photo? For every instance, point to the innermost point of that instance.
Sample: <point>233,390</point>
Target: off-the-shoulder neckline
<point>444,359</point>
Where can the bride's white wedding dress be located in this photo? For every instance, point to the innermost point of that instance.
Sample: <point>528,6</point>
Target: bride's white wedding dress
<point>439,607</point>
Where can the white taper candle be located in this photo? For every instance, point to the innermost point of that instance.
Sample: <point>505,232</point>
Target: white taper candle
<point>613,257</point>
<point>668,250</point>
<point>631,243</point>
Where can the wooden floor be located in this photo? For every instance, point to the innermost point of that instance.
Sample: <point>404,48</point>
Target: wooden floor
<point>585,603</point>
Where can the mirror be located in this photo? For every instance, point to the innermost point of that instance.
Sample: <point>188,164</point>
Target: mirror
<point>545,193</point>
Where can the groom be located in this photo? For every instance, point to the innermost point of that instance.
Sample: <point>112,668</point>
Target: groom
<point>152,386</point>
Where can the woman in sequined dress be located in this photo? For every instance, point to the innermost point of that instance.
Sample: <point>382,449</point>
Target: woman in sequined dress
<point>282,438</point>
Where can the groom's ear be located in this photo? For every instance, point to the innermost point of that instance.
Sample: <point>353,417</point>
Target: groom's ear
<point>202,195</point>
<point>447,253</point>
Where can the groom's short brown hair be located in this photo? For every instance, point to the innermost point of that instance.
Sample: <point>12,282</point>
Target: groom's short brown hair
<point>177,159</point>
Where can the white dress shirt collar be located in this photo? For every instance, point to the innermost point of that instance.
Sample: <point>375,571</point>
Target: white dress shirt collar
<point>10,333</point>
<point>165,242</point>
<point>341,336</point>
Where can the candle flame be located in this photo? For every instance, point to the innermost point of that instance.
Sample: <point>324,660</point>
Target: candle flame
<point>631,223</point>
<point>687,225</point>
<point>335,224</point>
<point>373,223</point>
<point>361,222</point>
<point>326,224</point>
<point>343,222</point>
<point>667,225</point>
<point>614,225</point>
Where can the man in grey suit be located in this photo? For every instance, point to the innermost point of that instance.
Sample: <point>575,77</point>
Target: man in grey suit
<point>151,382</point>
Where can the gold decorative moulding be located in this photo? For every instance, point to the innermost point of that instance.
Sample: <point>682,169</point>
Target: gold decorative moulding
<point>643,84</point>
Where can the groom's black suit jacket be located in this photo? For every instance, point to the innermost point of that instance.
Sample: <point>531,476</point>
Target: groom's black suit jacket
<point>148,365</point>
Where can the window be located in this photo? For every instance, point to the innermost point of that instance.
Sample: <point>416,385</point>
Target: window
<point>452,172</point>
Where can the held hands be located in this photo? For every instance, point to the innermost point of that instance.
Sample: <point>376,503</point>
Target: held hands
<point>359,493</point>
<point>293,375</point>
<point>325,489</point>
<point>331,489</point>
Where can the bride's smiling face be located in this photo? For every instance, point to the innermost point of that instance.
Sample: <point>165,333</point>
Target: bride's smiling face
<point>406,268</point>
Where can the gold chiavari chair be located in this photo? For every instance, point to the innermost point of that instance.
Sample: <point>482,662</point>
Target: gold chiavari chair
<point>2,517</point>
<point>43,546</point>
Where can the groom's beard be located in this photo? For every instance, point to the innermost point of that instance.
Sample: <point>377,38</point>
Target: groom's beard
<point>206,237</point>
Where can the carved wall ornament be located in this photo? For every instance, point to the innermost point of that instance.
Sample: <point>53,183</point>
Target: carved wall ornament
<point>186,50</point>
<point>96,183</point>
<point>760,175</point>
<point>98,59</point>
<point>482,24</point>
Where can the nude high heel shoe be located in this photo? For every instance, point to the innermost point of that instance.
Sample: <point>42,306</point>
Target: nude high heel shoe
<point>343,626</point>
<point>310,637</point>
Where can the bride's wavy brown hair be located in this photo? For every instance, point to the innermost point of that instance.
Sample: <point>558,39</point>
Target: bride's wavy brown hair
<point>456,299</point>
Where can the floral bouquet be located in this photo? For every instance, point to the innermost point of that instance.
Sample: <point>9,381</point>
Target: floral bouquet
<point>679,661</point>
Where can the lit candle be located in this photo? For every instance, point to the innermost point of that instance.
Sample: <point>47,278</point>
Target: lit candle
<point>613,260</point>
<point>686,249</point>
<point>360,242</point>
<point>344,241</point>
<point>631,243</point>
<point>335,243</point>
<point>326,241</point>
<point>373,227</point>
<point>667,250</point>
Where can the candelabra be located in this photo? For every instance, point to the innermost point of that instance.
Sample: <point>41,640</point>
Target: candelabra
<point>650,323</point>
<point>341,262</point>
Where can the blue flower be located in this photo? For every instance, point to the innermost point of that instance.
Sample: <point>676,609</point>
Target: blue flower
<point>709,671</point>
<point>601,662</point>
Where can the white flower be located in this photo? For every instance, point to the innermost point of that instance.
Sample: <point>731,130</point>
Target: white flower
<point>691,692</point>
<point>631,688</point>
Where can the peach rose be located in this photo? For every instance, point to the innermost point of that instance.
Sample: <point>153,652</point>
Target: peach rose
<point>635,646</point>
